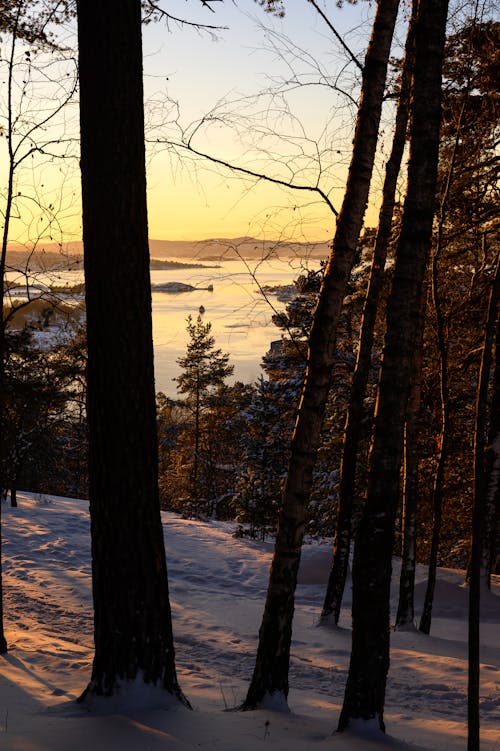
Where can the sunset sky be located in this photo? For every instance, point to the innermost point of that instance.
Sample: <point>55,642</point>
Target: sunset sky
<point>304,134</point>
<point>197,200</point>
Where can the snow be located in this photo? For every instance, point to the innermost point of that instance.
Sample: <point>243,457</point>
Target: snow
<point>217,587</point>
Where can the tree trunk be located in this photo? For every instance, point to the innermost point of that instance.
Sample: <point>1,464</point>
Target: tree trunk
<point>365,690</point>
<point>133,632</point>
<point>271,669</point>
<point>3,259</point>
<point>194,479</point>
<point>492,495</point>
<point>480,436</point>
<point>3,640</point>
<point>3,455</point>
<point>352,430</point>
<point>406,611</point>
<point>444,437</point>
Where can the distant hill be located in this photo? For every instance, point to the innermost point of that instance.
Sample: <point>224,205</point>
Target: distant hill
<point>40,260</point>
<point>249,248</point>
<point>214,249</point>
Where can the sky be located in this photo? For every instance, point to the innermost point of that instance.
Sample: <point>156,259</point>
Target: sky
<point>300,130</point>
<point>221,78</point>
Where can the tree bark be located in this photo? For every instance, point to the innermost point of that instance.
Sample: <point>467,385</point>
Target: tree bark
<point>3,640</point>
<point>406,611</point>
<point>3,259</point>
<point>480,485</point>
<point>492,495</point>
<point>444,437</point>
<point>133,632</point>
<point>365,690</point>
<point>273,655</point>
<point>352,430</point>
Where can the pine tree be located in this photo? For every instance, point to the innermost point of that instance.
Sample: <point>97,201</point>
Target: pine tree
<point>132,617</point>
<point>204,370</point>
<point>265,441</point>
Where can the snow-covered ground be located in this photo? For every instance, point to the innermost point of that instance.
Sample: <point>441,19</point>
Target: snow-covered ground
<point>217,587</point>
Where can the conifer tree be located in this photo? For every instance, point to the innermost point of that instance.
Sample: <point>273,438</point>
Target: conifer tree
<point>204,370</point>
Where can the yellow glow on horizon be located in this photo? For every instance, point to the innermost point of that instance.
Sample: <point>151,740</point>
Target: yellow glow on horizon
<point>216,207</point>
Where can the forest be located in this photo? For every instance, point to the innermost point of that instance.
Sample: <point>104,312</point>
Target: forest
<point>375,425</point>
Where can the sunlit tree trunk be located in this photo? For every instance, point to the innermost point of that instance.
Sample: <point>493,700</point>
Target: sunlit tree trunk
<point>372,568</point>
<point>3,258</point>
<point>492,473</point>
<point>444,434</point>
<point>480,489</point>
<point>271,669</point>
<point>406,611</point>
<point>132,620</point>
<point>3,640</point>
<point>352,430</point>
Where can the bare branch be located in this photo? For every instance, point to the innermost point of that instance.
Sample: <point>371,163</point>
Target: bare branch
<point>252,173</point>
<point>152,10</point>
<point>336,34</point>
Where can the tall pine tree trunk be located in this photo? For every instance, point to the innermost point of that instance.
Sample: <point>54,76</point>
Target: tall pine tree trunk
<point>3,640</point>
<point>365,690</point>
<point>406,611</point>
<point>133,632</point>
<point>3,259</point>
<point>480,486</point>
<point>3,451</point>
<point>273,655</point>
<point>444,436</point>
<point>352,430</point>
<point>492,494</point>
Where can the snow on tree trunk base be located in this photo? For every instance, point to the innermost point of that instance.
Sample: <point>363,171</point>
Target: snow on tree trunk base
<point>276,702</point>
<point>131,696</point>
<point>372,729</point>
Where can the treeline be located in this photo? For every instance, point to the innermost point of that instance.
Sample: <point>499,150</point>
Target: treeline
<point>45,430</point>
<point>224,449</point>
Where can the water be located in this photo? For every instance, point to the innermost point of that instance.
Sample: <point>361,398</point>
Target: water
<point>239,314</point>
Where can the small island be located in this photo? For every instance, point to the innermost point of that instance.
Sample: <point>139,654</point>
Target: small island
<point>174,288</point>
<point>160,264</point>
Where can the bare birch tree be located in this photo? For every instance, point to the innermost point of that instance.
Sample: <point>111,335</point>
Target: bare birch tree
<point>270,677</point>
<point>353,425</point>
<point>366,684</point>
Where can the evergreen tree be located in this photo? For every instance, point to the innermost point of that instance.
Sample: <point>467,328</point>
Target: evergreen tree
<point>265,441</point>
<point>204,370</point>
<point>44,402</point>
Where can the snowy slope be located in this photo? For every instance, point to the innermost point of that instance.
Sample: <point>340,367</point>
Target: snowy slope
<point>217,588</point>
